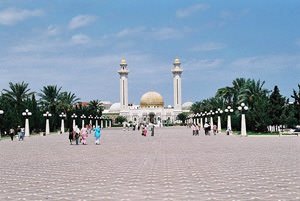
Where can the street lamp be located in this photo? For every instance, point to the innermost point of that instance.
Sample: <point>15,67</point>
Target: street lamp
<point>82,117</point>
<point>1,112</point>
<point>91,118</point>
<point>201,120</point>
<point>47,115</point>
<point>74,116</point>
<point>243,108</point>
<point>211,121</point>
<point>205,115</point>
<point>101,121</point>
<point>228,110</point>
<point>219,112</point>
<point>197,118</point>
<point>96,120</point>
<point>27,114</point>
<point>62,116</point>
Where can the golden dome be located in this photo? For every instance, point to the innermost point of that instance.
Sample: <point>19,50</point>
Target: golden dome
<point>152,99</point>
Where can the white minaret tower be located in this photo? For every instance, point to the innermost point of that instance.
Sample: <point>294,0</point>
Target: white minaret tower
<point>123,85</point>
<point>177,70</point>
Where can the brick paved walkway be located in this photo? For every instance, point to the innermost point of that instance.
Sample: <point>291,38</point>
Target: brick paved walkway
<point>172,165</point>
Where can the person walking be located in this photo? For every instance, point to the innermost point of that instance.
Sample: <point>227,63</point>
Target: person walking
<point>206,128</point>
<point>97,135</point>
<point>193,129</point>
<point>152,130</point>
<point>197,129</point>
<point>12,134</point>
<point>19,133</point>
<point>84,134</point>
<point>76,134</point>
<point>71,135</point>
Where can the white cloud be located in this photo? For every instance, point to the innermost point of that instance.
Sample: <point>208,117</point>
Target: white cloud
<point>166,33</point>
<point>52,30</point>
<point>81,21</point>
<point>185,12</point>
<point>80,39</point>
<point>12,16</point>
<point>206,47</point>
<point>131,32</point>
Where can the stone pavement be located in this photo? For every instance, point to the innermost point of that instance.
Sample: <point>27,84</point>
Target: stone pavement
<point>172,165</point>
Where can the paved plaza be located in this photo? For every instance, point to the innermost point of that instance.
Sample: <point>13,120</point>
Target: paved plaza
<point>172,165</point>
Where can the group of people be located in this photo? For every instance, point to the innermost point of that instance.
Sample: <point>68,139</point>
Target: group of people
<point>20,132</point>
<point>80,136</point>
<point>207,128</point>
<point>145,130</point>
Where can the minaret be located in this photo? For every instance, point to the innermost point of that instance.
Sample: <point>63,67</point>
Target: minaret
<point>177,70</point>
<point>123,85</point>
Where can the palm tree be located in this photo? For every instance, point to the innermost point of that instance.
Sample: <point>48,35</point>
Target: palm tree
<point>49,97</point>
<point>95,107</point>
<point>17,94</point>
<point>66,101</point>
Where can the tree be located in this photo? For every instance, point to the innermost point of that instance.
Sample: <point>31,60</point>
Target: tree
<point>66,101</point>
<point>16,95</point>
<point>296,97</point>
<point>49,101</point>
<point>95,107</point>
<point>120,119</point>
<point>182,117</point>
<point>276,105</point>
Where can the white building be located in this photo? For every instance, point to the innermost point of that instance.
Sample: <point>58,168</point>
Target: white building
<point>151,108</point>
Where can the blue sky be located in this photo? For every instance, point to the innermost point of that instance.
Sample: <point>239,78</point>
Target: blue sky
<point>78,44</point>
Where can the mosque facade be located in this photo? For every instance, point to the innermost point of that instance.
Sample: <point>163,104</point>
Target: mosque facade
<point>152,107</point>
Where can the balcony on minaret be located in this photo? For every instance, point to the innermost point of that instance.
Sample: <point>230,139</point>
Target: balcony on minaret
<point>177,69</point>
<point>123,67</point>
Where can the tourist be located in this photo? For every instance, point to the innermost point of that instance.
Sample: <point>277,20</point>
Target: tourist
<point>22,133</point>
<point>228,131</point>
<point>76,134</point>
<point>206,128</point>
<point>97,134</point>
<point>12,134</point>
<point>152,130</point>
<point>144,131</point>
<point>84,134</point>
<point>19,132</point>
<point>71,135</point>
<point>193,129</point>
<point>197,129</point>
<point>215,128</point>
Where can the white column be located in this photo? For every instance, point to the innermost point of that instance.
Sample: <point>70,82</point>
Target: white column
<point>91,122</point>
<point>74,124</point>
<point>243,127</point>
<point>123,72</point>
<point>219,124</point>
<point>211,124</point>
<point>82,123</point>
<point>105,123</point>
<point>62,129</point>
<point>201,122</point>
<point>101,121</point>
<point>205,119</point>
<point>96,122</point>
<point>109,123</point>
<point>197,121</point>
<point>229,123</point>
<point>27,132</point>
<point>47,127</point>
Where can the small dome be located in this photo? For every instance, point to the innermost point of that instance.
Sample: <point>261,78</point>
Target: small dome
<point>152,99</point>
<point>177,61</point>
<point>187,105</point>
<point>123,62</point>
<point>116,107</point>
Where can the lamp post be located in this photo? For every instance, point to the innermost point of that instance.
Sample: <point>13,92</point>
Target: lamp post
<point>228,110</point>
<point>101,121</point>
<point>205,116</point>
<point>243,108</point>
<point>96,120</point>
<point>62,128</point>
<point>47,115</point>
<point>211,121</point>
<point>91,119</point>
<point>1,112</point>
<point>74,116</point>
<point>219,112</point>
<point>27,114</point>
<point>197,118</point>
<point>82,117</point>
<point>201,120</point>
